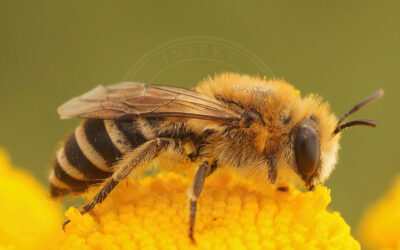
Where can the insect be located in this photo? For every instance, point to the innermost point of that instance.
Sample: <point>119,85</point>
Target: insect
<point>230,120</point>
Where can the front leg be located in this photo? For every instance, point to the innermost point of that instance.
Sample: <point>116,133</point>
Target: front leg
<point>272,169</point>
<point>273,173</point>
<point>202,172</point>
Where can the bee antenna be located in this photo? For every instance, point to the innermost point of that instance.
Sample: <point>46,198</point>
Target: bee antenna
<point>352,123</point>
<point>359,105</point>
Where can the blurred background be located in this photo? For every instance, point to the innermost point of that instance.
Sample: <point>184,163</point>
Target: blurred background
<point>52,51</point>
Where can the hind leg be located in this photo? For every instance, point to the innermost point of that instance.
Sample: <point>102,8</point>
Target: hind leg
<point>138,157</point>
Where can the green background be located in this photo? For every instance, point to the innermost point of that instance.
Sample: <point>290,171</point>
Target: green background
<point>343,50</point>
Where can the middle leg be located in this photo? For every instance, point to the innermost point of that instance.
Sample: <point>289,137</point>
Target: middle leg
<point>204,170</point>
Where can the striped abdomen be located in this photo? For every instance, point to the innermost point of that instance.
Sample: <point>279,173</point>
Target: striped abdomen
<point>91,151</point>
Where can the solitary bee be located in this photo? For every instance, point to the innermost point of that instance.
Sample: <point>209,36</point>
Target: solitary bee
<point>231,120</point>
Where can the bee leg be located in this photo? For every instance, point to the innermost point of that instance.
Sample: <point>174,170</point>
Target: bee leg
<point>283,189</point>
<point>100,196</point>
<point>194,192</point>
<point>273,173</point>
<point>272,169</point>
<point>138,157</point>
<point>142,155</point>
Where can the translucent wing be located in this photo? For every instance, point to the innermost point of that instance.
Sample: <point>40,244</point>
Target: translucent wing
<point>129,100</point>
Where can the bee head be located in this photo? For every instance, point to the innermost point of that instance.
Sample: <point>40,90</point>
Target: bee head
<point>315,142</point>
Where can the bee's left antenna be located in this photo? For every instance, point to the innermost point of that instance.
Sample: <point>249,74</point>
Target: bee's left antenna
<point>340,125</point>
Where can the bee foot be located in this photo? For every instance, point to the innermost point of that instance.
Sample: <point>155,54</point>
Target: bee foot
<point>64,224</point>
<point>283,189</point>
<point>192,239</point>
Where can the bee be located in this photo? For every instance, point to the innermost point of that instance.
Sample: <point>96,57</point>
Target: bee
<point>230,120</point>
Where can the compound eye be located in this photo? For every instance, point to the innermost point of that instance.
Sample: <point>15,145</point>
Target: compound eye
<point>306,148</point>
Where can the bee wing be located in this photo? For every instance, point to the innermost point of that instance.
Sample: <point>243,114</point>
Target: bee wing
<point>129,100</point>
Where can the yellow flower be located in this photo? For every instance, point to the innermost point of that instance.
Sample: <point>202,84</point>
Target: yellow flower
<point>380,225</point>
<point>233,213</point>
<point>151,213</point>
<point>28,219</point>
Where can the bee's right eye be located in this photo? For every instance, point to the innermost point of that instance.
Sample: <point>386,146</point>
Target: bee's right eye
<point>306,148</point>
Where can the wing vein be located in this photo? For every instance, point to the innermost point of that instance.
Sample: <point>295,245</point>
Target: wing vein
<point>129,100</point>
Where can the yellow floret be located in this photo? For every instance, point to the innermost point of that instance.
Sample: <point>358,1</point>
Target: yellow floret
<point>233,213</point>
<point>380,226</point>
<point>28,219</point>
